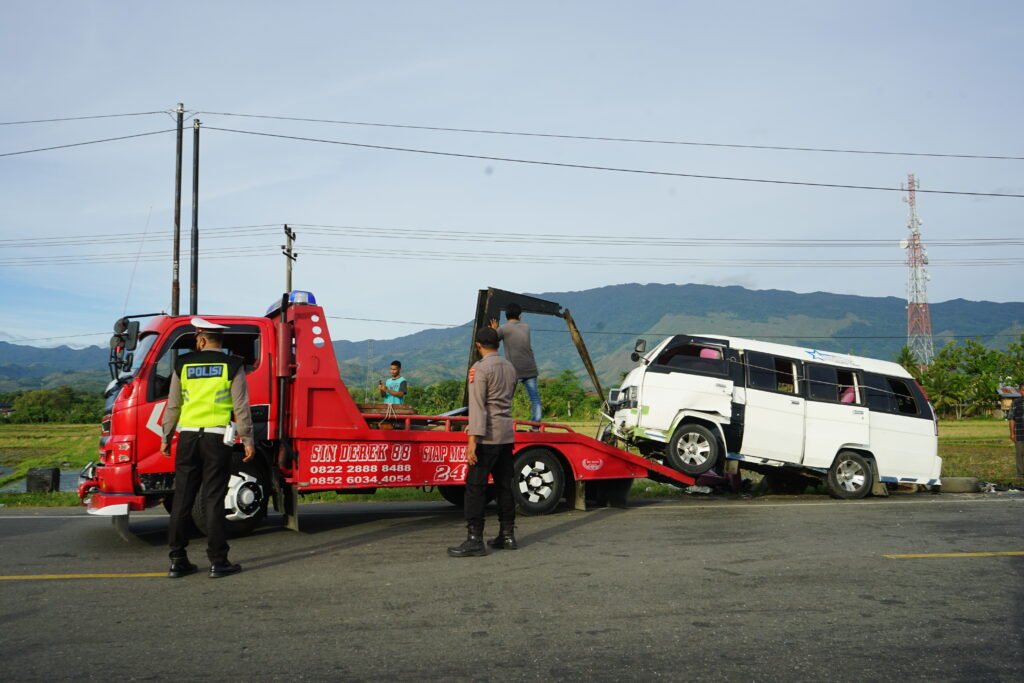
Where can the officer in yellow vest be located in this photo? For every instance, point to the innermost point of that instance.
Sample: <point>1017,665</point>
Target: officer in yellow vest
<point>206,387</point>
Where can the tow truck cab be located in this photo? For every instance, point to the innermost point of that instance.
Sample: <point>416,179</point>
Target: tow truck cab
<point>132,474</point>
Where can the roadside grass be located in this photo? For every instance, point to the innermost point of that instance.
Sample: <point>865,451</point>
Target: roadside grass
<point>978,447</point>
<point>969,448</point>
<point>25,446</point>
<point>39,500</point>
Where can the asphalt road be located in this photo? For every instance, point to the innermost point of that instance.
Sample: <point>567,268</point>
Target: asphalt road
<point>775,588</point>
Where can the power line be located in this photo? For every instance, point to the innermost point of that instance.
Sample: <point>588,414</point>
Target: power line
<point>603,138</point>
<point>125,237</point>
<point>590,332</point>
<point>660,241</point>
<point>87,142</point>
<point>669,334</point>
<point>536,259</point>
<point>614,169</point>
<point>81,118</point>
<point>509,237</point>
<point>499,237</point>
<point>481,257</point>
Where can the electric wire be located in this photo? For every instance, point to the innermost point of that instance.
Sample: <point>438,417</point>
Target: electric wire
<point>82,118</point>
<point>535,259</point>
<point>509,237</point>
<point>985,335</point>
<point>604,138</point>
<point>87,142</point>
<point>613,169</point>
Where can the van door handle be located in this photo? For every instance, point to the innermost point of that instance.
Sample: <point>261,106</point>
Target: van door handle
<point>858,412</point>
<point>796,403</point>
<point>720,386</point>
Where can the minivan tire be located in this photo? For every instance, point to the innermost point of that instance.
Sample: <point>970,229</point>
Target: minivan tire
<point>693,449</point>
<point>850,476</point>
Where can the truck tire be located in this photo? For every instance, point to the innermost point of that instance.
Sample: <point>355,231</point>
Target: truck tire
<point>850,476</point>
<point>538,481</point>
<point>693,449</point>
<point>239,527</point>
<point>456,495</point>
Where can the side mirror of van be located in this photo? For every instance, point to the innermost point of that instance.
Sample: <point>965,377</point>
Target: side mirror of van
<point>638,348</point>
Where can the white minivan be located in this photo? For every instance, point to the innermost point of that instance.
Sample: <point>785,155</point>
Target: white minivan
<point>792,413</point>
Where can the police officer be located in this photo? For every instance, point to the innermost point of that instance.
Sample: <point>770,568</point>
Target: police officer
<point>205,387</point>
<point>492,381</point>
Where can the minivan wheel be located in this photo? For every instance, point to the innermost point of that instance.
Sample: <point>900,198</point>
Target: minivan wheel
<point>693,449</point>
<point>850,476</point>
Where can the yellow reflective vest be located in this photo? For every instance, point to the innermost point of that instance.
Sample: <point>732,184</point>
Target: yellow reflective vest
<point>206,378</point>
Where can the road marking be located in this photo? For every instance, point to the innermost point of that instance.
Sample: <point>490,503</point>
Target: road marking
<point>683,504</point>
<point>922,556</point>
<point>83,516</point>
<point>59,577</point>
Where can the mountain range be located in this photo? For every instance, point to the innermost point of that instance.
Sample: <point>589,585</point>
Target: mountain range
<point>610,318</point>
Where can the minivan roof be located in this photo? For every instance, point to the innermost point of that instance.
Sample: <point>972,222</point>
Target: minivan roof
<point>845,360</point>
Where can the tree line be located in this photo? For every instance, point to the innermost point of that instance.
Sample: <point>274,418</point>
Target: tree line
<point>562,398</point>
<point>962,379</point>
<point>961,382</point>
<point>63,404</point>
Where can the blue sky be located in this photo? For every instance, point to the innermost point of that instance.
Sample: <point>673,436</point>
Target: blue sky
<point>908,76</point>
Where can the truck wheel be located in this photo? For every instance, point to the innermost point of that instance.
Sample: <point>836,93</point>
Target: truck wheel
<point>850,476</point>
<point>693,449</point>
<point>456,495</point>
<point>251,496</point>
<point>538,481</point>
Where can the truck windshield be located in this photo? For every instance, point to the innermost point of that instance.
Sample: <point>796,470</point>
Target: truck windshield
<point>139,354</point>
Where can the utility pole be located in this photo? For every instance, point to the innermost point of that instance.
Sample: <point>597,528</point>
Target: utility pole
<point>175,287</point>
<point>289,256</point>
<point>919,321</point>
<point>194,295</point>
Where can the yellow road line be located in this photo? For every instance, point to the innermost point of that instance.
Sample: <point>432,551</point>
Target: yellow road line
<point>920,556</point>
<point>58,577</point>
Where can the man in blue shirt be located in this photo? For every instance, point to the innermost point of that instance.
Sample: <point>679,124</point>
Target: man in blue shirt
<point>394,389</point>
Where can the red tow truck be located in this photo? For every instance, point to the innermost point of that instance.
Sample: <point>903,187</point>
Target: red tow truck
<point>312,436</point>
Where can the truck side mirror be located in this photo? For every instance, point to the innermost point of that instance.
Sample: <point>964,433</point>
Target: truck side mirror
<point>128,331</point>
<point>638,348</point>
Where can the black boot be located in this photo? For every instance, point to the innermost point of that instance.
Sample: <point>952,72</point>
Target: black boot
<point>473,546</point>
<point>180,566</point>
<point>506,538</point>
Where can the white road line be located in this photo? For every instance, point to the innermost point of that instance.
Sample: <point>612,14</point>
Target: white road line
<point>849,503</point>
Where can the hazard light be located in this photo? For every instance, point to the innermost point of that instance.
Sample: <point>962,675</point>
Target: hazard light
<point>295,297</point>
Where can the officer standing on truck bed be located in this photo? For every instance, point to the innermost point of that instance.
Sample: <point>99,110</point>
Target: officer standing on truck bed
<point>205,386</point>
<point>492,381</point>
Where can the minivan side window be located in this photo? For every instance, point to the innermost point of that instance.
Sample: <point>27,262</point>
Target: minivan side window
<point>906,404</point>
<point>879,395</point>
<point>697,358</point>
<point>771,373</point>
<point>826,383</point>
<point>822,384</point>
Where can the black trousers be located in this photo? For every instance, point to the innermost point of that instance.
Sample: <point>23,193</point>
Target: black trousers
<point>202,459</point>
<point>494,459</point>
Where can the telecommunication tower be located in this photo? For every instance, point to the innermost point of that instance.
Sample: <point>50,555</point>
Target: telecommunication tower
<point>919,321</point>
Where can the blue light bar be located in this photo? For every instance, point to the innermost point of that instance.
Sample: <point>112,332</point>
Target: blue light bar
<point>295,297</point>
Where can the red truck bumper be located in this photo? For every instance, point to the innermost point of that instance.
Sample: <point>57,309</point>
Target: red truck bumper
<point>112,504</point>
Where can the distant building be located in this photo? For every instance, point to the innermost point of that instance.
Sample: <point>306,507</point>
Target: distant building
<point>1006,396</point>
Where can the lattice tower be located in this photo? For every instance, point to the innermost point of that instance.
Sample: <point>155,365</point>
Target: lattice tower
<point>919,321</point>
